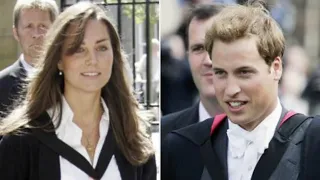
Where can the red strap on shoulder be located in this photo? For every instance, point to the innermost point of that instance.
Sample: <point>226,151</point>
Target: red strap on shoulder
<point>220,117</point>
<point>287,116</point>
<point>217,120</point>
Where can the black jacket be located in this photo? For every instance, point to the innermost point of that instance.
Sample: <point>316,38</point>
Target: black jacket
<point>11,87</point>
<point>35,156</point>
<point>179,120</point>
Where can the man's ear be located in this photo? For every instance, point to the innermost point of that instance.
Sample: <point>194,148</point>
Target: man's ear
<point>276,68</point>
<point>15,33</point>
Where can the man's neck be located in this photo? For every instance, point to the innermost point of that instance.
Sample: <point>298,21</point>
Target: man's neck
<point>26,66</point>
<point>28,59</point>
<point>211,105</point>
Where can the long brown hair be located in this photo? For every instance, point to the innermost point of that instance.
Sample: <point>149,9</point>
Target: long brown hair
<point>45,88</point>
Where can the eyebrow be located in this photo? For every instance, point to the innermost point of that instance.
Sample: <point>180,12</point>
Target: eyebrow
<point>243,68</point>
<point>101,40</point>
<point>237,69</point>
<point>196,45</point>
<point>218,69</point>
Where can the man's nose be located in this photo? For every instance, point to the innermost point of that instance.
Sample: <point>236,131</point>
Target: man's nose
<point>38,33</point>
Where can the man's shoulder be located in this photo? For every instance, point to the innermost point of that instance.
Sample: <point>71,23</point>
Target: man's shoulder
<point>313,129</point>
<point>7,73</point>
<point>179,120</point>
<point>311,148</point>
<point>196,133</point>
<point>176,115</point>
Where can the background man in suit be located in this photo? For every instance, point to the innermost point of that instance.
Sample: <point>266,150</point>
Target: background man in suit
<point>31,19</point>
<point>256,138</point>
<point>201,67</point>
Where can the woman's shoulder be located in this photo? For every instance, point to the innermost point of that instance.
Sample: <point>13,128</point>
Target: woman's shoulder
<point>16,150</point>
<point>18,140</point>
<point>28,135</point>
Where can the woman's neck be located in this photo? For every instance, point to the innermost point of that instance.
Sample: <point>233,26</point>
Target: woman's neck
<point>87,108</point>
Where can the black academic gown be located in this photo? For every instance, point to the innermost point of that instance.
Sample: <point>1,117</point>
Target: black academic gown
<point>35,156</point>
<point>192,153</point>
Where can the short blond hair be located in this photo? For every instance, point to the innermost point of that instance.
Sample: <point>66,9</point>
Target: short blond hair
<point>45,5</point>
<point>240,21</point>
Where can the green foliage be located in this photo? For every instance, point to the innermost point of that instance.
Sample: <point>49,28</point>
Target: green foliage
<point>140,11</point>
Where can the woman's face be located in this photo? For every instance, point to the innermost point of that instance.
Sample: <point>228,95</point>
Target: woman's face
<point>89,68</point>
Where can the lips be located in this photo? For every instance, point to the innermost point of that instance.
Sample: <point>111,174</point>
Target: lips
<point>236,105</point>
<point>90,74</point>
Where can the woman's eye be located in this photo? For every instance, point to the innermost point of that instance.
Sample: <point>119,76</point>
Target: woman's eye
<point>80,50</point>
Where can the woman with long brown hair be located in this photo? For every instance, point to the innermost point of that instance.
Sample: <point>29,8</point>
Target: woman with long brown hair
<point>79,119</point>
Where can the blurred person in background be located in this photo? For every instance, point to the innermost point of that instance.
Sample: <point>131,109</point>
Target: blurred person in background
<point>187,5</point>
<point>177,88</point>
<point>294,79</point>
<point>201,67</point>
<point>80,120</point>
<point>141,70</point>
<point>31,20</point>
<point>311,92</point>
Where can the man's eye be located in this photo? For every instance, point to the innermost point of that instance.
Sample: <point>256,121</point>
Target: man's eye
<point>219,73</point>
<point>43,26</point>
<point>245,72</point>
<point>198,49</point>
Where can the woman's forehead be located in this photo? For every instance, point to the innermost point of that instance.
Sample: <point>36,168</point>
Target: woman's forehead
<point>78,32</point>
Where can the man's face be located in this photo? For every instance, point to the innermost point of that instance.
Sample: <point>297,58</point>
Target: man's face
<point>200,63</point>
<point>246,87</point>
<point>32,26</point>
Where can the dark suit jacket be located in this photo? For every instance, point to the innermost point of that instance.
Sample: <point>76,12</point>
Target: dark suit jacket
<point>11,82</point>
<point>311,144</point>
<point>186,153</point>
<point>34,156</point>
<point>179,120</point>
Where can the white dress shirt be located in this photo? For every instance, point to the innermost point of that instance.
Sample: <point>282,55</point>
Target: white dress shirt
<point>29,69</point>
<point>71,134</point>
<point>245,148</point>
<point>203,113</point>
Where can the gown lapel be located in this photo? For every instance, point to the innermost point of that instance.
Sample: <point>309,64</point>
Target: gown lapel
<point>214,154</point>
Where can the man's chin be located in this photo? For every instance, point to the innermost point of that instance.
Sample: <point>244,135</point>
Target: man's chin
<point>34,54</point>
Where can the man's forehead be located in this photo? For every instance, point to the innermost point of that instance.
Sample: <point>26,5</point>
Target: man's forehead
<point>205,22</point>
<point>29,11</point>
<point>33,9</point>
<point>199,25</point>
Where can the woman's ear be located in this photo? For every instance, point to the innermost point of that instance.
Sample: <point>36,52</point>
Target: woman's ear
<point>60,67</point>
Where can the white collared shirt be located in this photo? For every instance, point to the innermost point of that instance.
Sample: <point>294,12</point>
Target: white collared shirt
<point>71,134</point>
<point>29,69</point>
<point>245,148</point>
<point>203,113</point>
